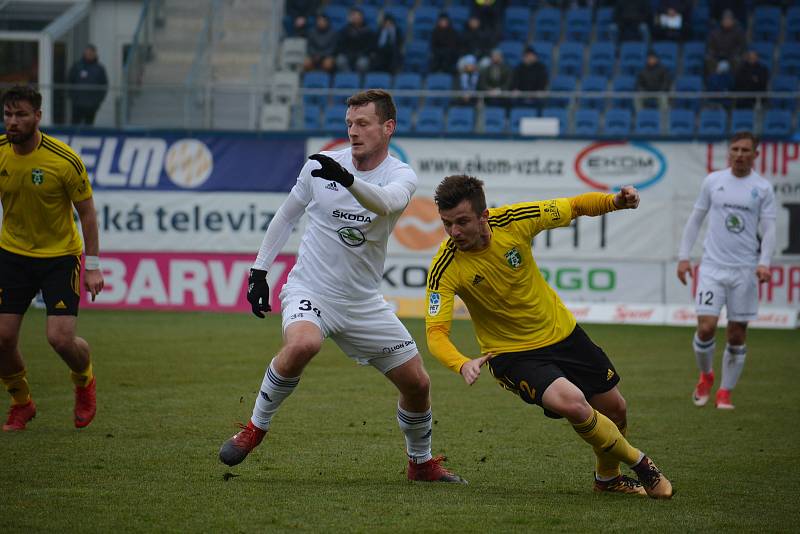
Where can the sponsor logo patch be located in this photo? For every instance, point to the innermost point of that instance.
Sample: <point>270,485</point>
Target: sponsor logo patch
<point>352,237</point>
<point>434,304</point>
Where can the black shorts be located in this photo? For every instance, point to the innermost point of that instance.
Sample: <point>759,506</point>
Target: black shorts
<point>21,277</point>
<point>576,358</point>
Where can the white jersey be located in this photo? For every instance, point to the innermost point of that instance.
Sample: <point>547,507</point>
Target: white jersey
<point>735,206</point>
<point>343,249</point>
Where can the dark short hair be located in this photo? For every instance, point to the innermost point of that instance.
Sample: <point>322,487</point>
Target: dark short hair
<point>384,105</point>
<point>459,187</point>
<point>744,134</point>
<point>23,93</point>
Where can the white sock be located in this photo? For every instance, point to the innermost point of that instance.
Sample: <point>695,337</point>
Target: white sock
<point>732,365</point>
<point>704,353</point>
<point>274,389</point>
<point>417,428</point>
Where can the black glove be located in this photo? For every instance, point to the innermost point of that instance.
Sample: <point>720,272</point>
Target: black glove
<point>331,170</point>
<point>258,292</point>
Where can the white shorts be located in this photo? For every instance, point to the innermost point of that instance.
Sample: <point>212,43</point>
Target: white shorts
<point>366,330</point>
<point>733,287</point>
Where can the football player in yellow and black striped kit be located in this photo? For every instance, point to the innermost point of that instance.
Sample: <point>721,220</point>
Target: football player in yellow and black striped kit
<point>529,339</point>
<point>41,179</point>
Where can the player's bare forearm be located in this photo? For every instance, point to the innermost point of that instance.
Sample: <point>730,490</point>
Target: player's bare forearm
<point>88,217</point>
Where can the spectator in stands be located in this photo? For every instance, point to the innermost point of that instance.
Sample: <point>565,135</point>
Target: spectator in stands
<point>725,43</point>
<point>356,43</point>
<point>672,20</point>
<point>388,56</point>
<point>752,76</point>
<point>445,46</point>
<point>737,8</point>
<point>89,86</point>
<point>632,19</point>
<point>490,13</point>
<point>297,12</point>
<point>653,78</point>
<point>467,80</point>
<point>477,42</point>
<point>530,75</point>
<point>497,78</point>
<point>321,46</point>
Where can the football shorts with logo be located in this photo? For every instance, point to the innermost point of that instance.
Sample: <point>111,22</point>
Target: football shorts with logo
<point>736,288</point>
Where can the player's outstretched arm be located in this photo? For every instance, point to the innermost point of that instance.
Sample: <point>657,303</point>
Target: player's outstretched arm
<point>594,204</point>
<point>93,277</point>
<point>627,198</point>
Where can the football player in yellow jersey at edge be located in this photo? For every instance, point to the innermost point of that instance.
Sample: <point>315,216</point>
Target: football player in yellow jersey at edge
<point>41,179</point>
<point>528,339</point>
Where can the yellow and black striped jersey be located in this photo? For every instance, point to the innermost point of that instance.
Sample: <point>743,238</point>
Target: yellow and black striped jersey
<point>511,305</point>
<point>37,191</point>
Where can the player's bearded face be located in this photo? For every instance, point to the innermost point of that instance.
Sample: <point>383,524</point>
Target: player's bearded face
<point>21,121</point>
<point>741,156</point>
<point>368,135</point>
<point>464,226</point>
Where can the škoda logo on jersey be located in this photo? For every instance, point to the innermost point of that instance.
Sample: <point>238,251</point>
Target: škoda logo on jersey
<point>37,176</point>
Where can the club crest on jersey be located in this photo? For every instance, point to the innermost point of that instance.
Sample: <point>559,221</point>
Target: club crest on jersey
<point>754,193</point>
<point>37,176</point>
<point>514,258</point>
<point>734,223</point>
<point>434,302</point>
<point>352,237</point>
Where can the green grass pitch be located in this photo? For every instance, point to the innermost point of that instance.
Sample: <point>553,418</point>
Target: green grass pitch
<point>172,385</point>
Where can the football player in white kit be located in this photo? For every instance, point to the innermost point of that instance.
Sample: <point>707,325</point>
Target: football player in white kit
<point>737,249</point>
<point>353,198</point>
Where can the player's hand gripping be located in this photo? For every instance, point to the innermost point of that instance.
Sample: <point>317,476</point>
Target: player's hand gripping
<point>684,269</point>
<point>331,170</point>
<point>627,198</point>
<point>472,369</point>
<point>258,292</point>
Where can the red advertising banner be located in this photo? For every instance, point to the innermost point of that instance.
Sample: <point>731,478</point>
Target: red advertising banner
<point>183,281</point>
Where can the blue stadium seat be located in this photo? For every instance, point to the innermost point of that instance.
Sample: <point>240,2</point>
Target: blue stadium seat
<point>560,114</point>
<point>681,123</point>
<point>743,120</point>
<point>701,16</point>
<point>578,25</point>
<point>370,13</point>
<point>337,16</point>
<point>516,23</point>
<point>517,114</point>
<point>789,59</point>
<point>312,115</point>
<point>512,52</point>
<point>570,58</point>
<point>376,79</point>
<point>494,120</point>
<point>333,118</point>
<point>712,123</point>
<point>766,52</point>
<point>777,123</point>
<point>604,20</point>
<point>417,56</point>
<point>593,84</point>
<point>562,84</point>
<point>547,24</point>
<point>404,115</point>
<point>460,119</point>
<point>667,52</point>
<point>792,30</point>
<point>587,122</point>
<point>694,53</point>
<point>632,55</point>
<point>346,80</point>
<point>407,3</point>
<point>648,122</point>
<point>316,79</point>
<point>617,123</point>
<point>545,52</point>
<point>407,81</point>
<point>784,84</point>
<point>424,20</point>
<point>687,84</point>
<point>602,56</point>
<point>430,120</point>
<point>766,23</point>
<point>438,81</point>
<point>623,84</point>
<point>400,16</point>
<point>458,16</point>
